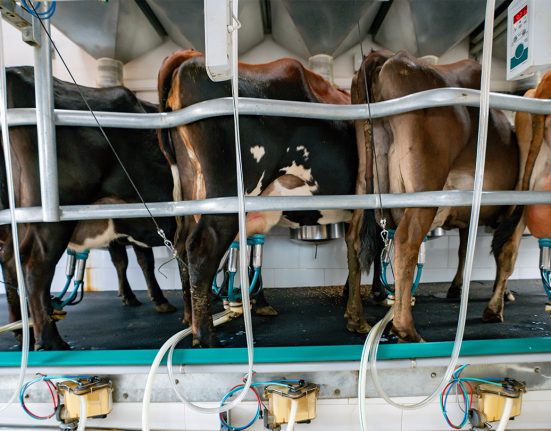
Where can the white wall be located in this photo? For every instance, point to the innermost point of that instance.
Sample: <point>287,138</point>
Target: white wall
<point>81,64</point>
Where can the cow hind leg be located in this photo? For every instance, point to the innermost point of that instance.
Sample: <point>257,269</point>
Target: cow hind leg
<point>411,231</point>
<point>119,257</point>
<point>505,256</point>
<point>454,291</point>
<point>262,307</point>
<point>378,290</point>
<point>147,264</point>
<point>355,320</point>
<point>12,294</point>
<point>43,249</point>
<point>205,247</point>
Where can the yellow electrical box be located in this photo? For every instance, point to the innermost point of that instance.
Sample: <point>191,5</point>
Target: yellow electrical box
<point>491,399</point>
<point>279,403</point>
<point>98,392</point>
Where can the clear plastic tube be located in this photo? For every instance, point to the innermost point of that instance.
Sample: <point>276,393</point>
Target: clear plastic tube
<point>14,326</point>
<point>82,417</point>
<point>292,416</point>
<point>505,415</point>
<point>243,271</point>
<point>371,345</point>
<point>15,236</point>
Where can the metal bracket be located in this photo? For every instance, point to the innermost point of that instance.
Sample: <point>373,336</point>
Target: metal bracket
<point>22,20</point>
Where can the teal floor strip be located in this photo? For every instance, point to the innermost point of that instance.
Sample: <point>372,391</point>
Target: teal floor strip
<point>278,354</point>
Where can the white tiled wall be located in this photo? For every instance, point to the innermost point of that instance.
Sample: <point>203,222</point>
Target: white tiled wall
<point>288,264</point>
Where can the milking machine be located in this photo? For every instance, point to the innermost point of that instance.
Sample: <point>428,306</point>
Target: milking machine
<point>386,258</point>
<point>74,271</point>
<point>227,290</point>
<point>545,269</point>
<point>484,400</point>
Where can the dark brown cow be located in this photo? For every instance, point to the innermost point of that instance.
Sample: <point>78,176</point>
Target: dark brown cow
<point>281,156</point>
<point>434,149</point>
<point>88,173</point>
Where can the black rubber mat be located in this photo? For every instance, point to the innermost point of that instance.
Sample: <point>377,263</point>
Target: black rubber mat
<point>307,317</point>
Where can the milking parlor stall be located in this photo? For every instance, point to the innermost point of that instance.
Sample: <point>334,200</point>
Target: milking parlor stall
<point>275,214</point>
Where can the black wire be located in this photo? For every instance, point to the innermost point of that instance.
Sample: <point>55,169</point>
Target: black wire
<point>13,286</point>
<point>95,119</point>
<point>370,121</point>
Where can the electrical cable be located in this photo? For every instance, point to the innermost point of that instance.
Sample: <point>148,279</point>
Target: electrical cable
<point>258,412</point>
<point>237,388</point>
<point>35,10</point>
<point>369,353</point>
<point>53,392</point>
<point>15,234</point>
<point>51,387</point>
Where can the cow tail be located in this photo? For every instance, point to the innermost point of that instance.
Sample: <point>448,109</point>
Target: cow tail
<point>164,83</point>
<point>505,229</point>
<point>370,240</point>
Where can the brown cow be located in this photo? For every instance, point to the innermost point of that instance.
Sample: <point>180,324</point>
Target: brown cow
<point>534,130</point>
<point>434,149</point>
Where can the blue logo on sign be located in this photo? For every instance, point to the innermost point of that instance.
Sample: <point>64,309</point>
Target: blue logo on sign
<point>521,55</point>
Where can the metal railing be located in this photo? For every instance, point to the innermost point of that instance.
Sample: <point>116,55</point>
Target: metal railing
<point>249,106</point>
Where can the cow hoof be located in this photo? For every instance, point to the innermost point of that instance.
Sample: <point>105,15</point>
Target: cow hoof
<point>490,316</point>
<point>387,302</point>
<point>164,308</point>
<point>267,310</point>
<point>131,302</point>
<point>198,343</point>
<point>509,296</point>
<point>360,327</point>
<point>19,337</point>
<point>58,345</point>
<point>408,336</point>
<point>454,292</point>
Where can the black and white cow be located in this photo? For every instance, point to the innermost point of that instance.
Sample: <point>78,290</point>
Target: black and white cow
<point>281,157</point>
<point>88,174</point>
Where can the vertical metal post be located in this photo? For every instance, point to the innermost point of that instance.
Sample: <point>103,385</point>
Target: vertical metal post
<point>45,126</point>
<point>14,232</point>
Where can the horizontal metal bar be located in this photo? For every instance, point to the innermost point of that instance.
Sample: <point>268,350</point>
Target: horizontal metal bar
<point>451,198</point>
<point>249,106</point>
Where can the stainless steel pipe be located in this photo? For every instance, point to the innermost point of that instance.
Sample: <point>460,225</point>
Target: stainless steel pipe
<point>45,125</point>
<point>447,198</point>
<point>250,106</point>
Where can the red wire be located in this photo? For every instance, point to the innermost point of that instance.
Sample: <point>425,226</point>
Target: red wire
<point>470,393</point>
<point>258,399</point>
<point>55,399</point>
<point>443,407</point>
